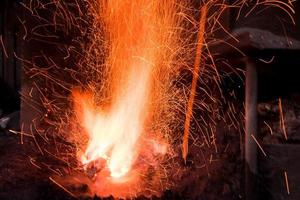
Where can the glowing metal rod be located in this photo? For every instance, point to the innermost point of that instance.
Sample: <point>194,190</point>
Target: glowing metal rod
<point>189,111</point>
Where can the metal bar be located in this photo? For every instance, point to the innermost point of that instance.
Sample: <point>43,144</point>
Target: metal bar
<point>8,39</point>
<point>251,129</point>
<point>2,4</point>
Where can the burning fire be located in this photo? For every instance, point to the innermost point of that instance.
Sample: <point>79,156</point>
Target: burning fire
<point>116,140</point>
<point>140,36</point>
<point>114,135</point>
<point>133,94</point>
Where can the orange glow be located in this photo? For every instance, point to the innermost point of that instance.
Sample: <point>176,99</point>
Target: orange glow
<point>113,136</point>
<point>116,140</point>
<point>121,144</point>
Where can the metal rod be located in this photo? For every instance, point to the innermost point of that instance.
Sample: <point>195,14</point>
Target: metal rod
<point>251,129</point>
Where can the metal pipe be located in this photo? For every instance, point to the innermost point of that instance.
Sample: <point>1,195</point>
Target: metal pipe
<point>251,129</point>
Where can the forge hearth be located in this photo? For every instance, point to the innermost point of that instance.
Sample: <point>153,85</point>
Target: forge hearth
<point>29,179</point>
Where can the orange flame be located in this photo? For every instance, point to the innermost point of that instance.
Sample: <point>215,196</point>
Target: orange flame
<point>115,139</point>
<point>113,136</point>
<point>139,37</point>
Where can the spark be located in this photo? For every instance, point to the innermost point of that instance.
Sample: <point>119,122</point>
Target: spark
<point>32,161</point>
<point>282,123</point>
<point>3,46</point>
<point>271,131</point>
<point>287,182</point>
<point>268,61</point>
<point>62,187</point>
<point>260,147</point>
<point>21,133</point>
